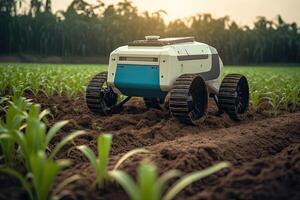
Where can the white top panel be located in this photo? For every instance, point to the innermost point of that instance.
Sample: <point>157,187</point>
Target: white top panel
<point>144,51</point>
<point>189,48</point>
<point>194,48</point>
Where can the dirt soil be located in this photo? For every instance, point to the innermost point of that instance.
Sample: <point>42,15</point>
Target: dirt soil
<point>264,152</point>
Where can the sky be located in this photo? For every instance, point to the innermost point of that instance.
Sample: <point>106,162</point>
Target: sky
<point>244,12</point>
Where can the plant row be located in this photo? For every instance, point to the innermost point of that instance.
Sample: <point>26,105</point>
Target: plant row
<point>272,89</point>
<point>68,80</point>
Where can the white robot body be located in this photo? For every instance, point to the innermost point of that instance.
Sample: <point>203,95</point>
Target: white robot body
<point>141,70</point>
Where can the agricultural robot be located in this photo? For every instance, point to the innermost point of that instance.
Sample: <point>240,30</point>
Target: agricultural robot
<point>178,74</point>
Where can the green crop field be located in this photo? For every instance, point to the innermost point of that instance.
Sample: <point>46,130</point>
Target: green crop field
<point>277,85</point>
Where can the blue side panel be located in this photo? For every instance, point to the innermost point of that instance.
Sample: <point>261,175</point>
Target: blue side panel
<point>138,80</point>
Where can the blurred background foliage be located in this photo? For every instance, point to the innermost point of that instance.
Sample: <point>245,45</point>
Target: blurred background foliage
<point>85,29</point>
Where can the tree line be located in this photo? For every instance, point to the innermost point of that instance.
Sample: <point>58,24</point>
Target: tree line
<point>85,29</point>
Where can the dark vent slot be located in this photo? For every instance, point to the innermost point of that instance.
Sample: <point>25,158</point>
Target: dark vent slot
<point>144,59</point>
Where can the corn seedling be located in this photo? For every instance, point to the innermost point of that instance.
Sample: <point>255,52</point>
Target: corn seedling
<point>15,117</point>
<point>42,176</point>
<point>275,101</point>
<point>292,97</point>
<point>36,138</point>
<point>27,133</point>
<point>43,173</point>
<point>255,99</point>
<point>100,163</point>
<point>151,187</point>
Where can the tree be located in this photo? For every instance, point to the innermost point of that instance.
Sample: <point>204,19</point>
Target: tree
<point>85,29</point>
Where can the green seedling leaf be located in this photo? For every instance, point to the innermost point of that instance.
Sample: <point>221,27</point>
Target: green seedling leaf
<point>164,178</point>
<point>54,129</point>
<point>44,172</point>
<point>67,139</point>
<point>104,145</point>
<point>65,183</point>
<point>91,156</point>
<point>127,183</point>
<point>63,162</point>
<point>147,176</point>
<point>192,177</point>
<point>5,136</point>
<point>43,114</point>
<point>128,155</point>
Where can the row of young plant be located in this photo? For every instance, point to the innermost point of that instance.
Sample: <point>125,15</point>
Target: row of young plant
<point>24,140</point>
<point>272,90</point>
<point>68,80</point>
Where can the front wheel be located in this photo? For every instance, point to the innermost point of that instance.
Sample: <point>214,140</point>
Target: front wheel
<point>189,99</point>
<point>100,98</point>
<point>233,96</point>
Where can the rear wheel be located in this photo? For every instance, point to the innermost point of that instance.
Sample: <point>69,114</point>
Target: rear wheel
<point>100,98</point>
<point>233,96</point>
<point>189,99</point>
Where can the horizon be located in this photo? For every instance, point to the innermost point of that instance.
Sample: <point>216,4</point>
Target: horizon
<point>242,15</point>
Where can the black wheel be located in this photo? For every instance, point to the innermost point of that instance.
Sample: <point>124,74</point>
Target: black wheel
<point>100,98</point>
<point>233,96</point>
<point>189,99</point>
<point>156,103</point>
